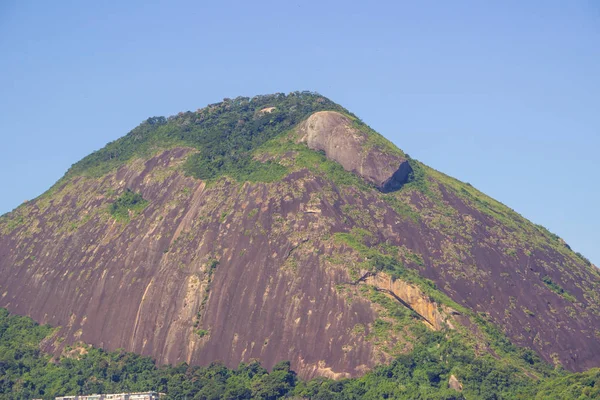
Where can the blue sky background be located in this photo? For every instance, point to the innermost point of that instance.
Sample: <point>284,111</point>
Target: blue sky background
<point>505,96</point>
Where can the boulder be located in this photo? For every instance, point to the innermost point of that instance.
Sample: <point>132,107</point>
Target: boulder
<point>334,133</point>
<point>454,383</point>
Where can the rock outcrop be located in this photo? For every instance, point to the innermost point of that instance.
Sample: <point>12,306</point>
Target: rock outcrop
<point>334,133</point>
<point>454,383</point>
<point>198,277</point>
<point>414,298</point>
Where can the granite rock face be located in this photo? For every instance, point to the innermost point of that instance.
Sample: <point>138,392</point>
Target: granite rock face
<point>333,133</point>
<point>234,271</point>
<point>202,275</point>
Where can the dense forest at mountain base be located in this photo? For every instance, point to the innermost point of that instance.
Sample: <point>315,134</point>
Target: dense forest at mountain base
<point>26,372</point>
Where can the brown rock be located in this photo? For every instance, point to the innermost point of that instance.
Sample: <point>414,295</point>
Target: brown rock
<point>333,133</point>
<point>453,383</point>
<point>412,297</point>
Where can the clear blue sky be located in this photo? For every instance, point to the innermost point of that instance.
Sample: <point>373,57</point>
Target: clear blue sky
<point>505,96</point>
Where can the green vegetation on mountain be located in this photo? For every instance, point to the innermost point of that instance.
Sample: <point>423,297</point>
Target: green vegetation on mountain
<point>557,289</point>
<point>254,140</point>
<point>225,134</point>
<point>127,204</point>
<point>26,372</point>
<point>228,135</point>
<point>386,258</point>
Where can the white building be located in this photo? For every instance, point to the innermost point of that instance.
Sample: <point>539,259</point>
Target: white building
<point>116,396</point>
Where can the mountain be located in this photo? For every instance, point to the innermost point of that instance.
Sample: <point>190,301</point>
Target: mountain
<point>26,373</point>
<point>281,227</point>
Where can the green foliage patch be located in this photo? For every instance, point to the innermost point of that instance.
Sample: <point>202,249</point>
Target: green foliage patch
<point>11,221</point>
<point>557,289</point>
<point>225,135</point>
<point>314,161</point>
<point>385,258</point>
<point>128,202</point>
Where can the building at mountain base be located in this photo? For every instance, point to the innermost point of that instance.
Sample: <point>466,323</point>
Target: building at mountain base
<point>117,396</point>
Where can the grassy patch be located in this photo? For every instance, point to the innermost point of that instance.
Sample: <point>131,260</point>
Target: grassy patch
<point>225,135</point>
<point>243,169</point>
<point>557,289</point>
<point>127,205</point>
<point>10,222</point>
<point>401,207</point>
<point>202,332</point>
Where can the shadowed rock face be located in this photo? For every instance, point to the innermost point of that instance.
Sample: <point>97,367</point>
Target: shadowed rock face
<point>454,383</point>
<point>333,133</point>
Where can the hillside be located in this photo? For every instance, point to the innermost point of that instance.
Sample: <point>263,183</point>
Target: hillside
<point>25,372</point>
<point>282,227</point>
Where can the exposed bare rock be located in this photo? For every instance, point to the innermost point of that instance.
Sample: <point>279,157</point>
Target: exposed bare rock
<point>267,110</point>
<point>413,298</point>
<point>333,133</point>
<point>453,383</point>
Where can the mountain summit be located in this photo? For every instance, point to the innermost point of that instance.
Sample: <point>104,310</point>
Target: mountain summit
<point>282,227</point>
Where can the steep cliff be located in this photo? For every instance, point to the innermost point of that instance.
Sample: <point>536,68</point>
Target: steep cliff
<point>244,241</point>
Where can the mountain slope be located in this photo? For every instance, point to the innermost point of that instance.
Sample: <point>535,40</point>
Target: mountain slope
<point>425,373</point>
<point>283,228</point>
